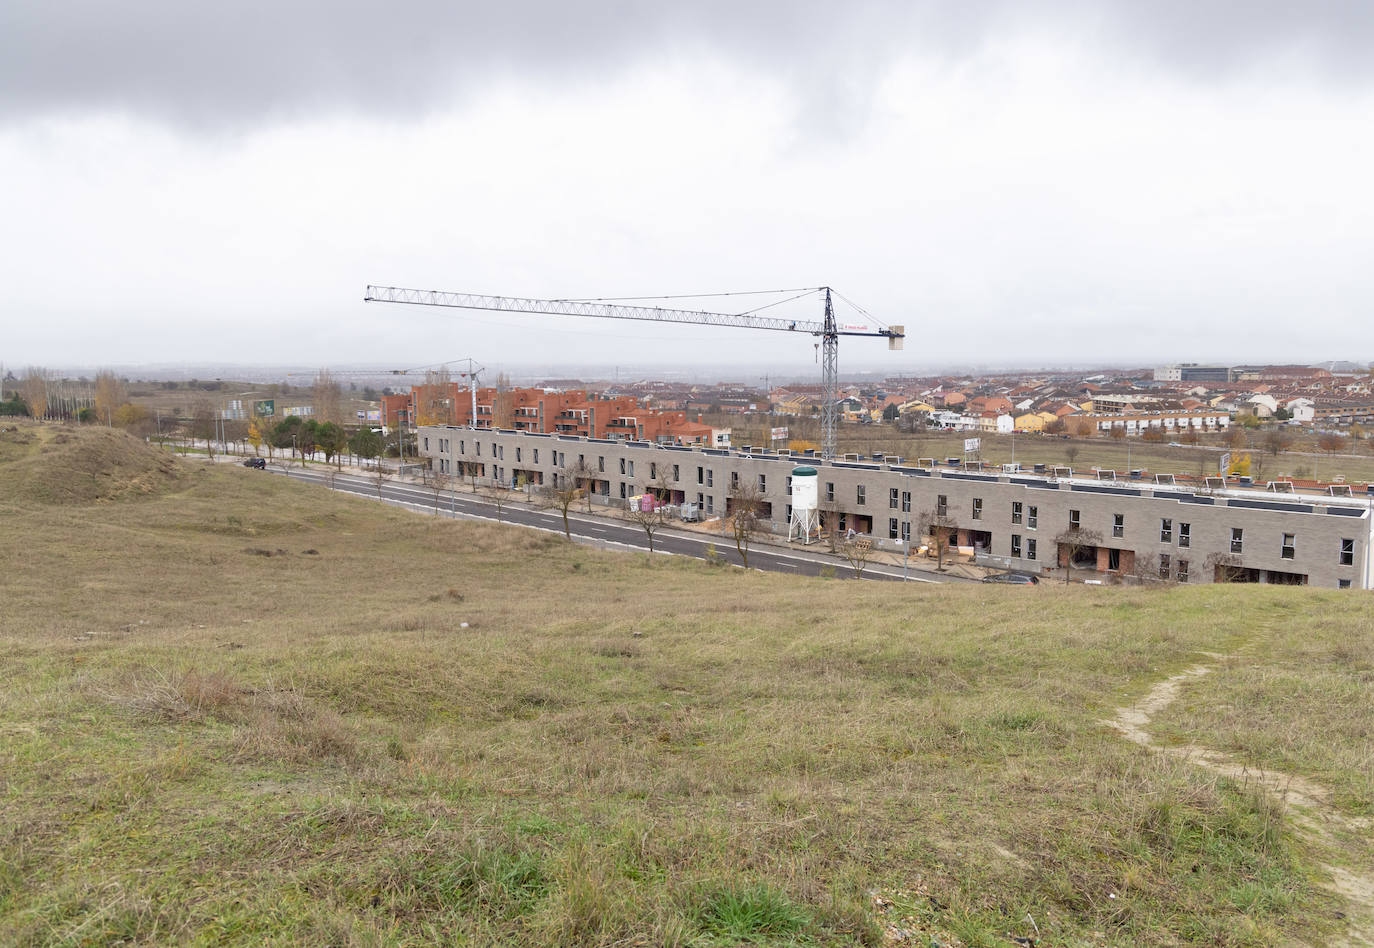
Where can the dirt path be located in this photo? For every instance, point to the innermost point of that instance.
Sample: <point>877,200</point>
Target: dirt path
<point>1309,804</point>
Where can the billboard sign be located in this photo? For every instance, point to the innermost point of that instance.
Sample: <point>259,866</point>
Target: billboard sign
<point>1225,463</point>
<point>972,444</point>
<point>266,408</point>
<point>779,433</point>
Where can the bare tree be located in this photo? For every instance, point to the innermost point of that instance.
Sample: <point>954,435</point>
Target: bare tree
<point>649,520</point>
<point>830,517</point>
<point>858,551</point>
<point>34,387</point>
<point>110,393</point>
<point>745,517</point>
<point>1277,440</point>
<point>562,494</point>
<point>379,476</point>
<point>1224,567</point>
<point>204,425</point>
<point>1332,444</point>
<point>1071,452</point>
<point>438,483</point>
<point>327,397</point>
<point>1146,568</point>
<point>585,477</point>
<point>940,528</point>
<point>435,399</point>
<point>1072,542</point>
<point>502,403</point>
<point>496,494</point>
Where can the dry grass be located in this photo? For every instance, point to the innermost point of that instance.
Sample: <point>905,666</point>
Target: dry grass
<point>205,744</point>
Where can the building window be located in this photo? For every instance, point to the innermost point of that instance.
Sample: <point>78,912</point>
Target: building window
<point>701,502</point>
<point>892,496</point>
<point>677,474</point>
<point>631,466</point>
<point>1032,518</point>
<point>892,529</point>
<point>601,464</point>
<point>789,487</point>
<point>1237,539</point>
<point>479,448</point>
<point>1030,548</point>
<point>710,478</point>
<point>906,530</point>
<point>1164,566</point>
<point>734,480</point>
<point>860,493</point>
<point>1075,519</point>
<point>653,471</point>
<point>906,501</point>
<point>536,455</point>
<point>426,444</point>
<point>1118,525</point>
<point>1347,552</point>
<point>1182,571</point>
<point>518,451</point>
<point>941,506</point>
<point>1166,530</point>
<point>1016,511</point>
<point>1289,547</point>
<point>463,447</point>
<point>622,489</point>
<point>710,503</point>
<point>622,465</point>
<point>977,508</point>
<point>763,483</point>
<point>1185,534</point>
<point>701,475</point>
<point>1343,584</point>
<point>829,490</point>
<point>1016,544</point>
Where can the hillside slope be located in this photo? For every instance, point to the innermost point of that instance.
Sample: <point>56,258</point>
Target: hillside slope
<point>61,465</point>
<point>246,710</point>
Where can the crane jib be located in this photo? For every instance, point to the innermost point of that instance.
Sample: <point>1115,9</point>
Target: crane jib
<point>828,330</point>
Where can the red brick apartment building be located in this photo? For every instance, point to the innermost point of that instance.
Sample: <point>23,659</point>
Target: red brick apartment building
<point>540,412</point>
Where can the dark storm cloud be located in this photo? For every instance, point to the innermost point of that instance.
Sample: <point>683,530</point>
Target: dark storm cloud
<point>229,63</point>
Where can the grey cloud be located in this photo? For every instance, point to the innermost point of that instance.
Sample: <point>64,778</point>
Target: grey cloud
<point>241,63</point>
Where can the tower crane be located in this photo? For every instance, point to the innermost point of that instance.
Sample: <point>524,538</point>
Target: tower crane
<point>827,329</point>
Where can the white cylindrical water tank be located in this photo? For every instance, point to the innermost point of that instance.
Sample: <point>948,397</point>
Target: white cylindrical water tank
<point>804,482</point>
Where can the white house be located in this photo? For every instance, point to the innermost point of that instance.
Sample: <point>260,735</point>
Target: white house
<point>1302,410</point>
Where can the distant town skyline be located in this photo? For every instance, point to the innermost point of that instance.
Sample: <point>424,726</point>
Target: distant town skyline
<point>1017,183</point>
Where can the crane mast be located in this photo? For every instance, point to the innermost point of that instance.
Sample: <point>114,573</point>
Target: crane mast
<point>827,328</point>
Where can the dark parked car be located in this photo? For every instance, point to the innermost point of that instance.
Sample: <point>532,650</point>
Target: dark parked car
<point>259,463</point>
<point>1012,579</point>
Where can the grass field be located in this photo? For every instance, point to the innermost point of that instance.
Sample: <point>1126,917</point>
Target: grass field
<point>237,709</point>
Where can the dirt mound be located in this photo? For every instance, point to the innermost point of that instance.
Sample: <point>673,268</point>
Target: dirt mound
<point>62,465</point>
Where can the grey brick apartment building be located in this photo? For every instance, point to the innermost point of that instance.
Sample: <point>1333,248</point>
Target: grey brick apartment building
<point>1012,520</point>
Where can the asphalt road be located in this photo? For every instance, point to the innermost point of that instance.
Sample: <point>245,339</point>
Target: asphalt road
<point>605,531</point>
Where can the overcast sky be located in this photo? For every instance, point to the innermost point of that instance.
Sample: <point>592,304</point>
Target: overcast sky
<point>1023,181</point>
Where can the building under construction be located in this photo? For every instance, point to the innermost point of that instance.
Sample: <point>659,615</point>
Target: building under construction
<point>1218,532</point>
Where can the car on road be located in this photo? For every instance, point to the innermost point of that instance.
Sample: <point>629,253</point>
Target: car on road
<point>259,463</point>
<point>1012,579</point>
